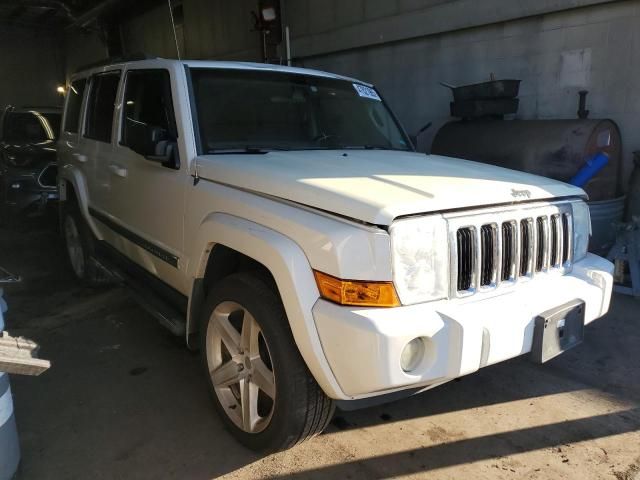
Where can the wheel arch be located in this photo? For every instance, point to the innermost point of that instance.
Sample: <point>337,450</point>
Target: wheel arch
<point>72,186</point>
<point>225,242</point>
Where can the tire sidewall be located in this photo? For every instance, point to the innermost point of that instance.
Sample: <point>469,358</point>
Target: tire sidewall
<point>289,375</point>
<point>71,213</point>
<point>5,216</point>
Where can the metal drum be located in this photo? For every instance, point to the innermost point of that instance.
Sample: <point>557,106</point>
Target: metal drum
<point>9,447</point>
<point>551,148</point>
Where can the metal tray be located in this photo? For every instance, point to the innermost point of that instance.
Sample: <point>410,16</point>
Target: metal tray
<point>485,90</point>
<point>6,277</point>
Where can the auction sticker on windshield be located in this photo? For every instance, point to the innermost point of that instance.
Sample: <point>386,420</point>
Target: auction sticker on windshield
<point>367,92</point>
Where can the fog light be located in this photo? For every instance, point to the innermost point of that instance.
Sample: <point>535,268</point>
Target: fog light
<point>16,185</point>
<point>412,354</point>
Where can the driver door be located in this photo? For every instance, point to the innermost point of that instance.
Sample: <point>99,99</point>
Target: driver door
<point>147,197</point>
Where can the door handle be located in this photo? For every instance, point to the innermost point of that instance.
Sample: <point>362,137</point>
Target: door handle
<point>80,157</point>
<point>118,170</point>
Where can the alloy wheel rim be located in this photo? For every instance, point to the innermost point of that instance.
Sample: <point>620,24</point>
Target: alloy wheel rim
<point>74,247</point>
<point>240,366</point>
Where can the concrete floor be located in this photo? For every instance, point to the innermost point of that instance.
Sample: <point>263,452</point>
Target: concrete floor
<point>126,400</point>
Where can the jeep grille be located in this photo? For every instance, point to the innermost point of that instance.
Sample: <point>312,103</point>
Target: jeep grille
<point>492,248</point>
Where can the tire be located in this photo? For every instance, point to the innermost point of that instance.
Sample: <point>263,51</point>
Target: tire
<point>80,246</point>
<point>289,408</point>
<point>5,213</point>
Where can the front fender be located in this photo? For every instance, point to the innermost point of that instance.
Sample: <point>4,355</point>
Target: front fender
<point>70,174</point>
<point>293,275</point>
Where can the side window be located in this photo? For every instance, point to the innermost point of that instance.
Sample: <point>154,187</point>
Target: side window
<point>147,102</point>
<point>74,102</point>
<point>100,107</point>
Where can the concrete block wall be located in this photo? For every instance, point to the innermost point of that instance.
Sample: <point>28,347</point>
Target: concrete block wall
<point>221,29</point>
<point>150,33</point>
<point>595,47</point>
<point>82,48</point>
<point>217,29</point>
<point>406,47</point>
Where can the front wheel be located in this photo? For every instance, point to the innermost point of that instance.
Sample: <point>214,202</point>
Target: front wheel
<point>260,385</point>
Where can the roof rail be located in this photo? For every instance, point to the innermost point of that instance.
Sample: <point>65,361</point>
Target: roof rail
<point>134,57</point>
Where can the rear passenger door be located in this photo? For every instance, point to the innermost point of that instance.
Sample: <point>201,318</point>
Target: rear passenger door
<point>97,140</point>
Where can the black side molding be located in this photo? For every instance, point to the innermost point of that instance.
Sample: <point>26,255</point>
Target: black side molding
<point>152,248</point>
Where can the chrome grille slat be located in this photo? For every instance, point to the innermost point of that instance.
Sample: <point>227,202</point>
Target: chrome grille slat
<point>556,241</point>
<point>527,247</point>
<point>547,245</point>
<point>542,241</point>
<point>566,238</point>
<point>488,251</point>
<point>465,245</point>
<point>508,252</point>
<point>497,254</point>
<point>518,243</point>
<point>477,259</point>
<point>493,250</point>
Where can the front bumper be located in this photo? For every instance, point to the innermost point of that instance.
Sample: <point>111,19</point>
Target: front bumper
<point>363,346</point>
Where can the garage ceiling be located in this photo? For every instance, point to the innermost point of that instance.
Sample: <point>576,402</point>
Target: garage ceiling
<point>63,14</point>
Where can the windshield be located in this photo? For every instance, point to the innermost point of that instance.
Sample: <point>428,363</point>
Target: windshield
<point>256,110</point>
<point>31,127</point>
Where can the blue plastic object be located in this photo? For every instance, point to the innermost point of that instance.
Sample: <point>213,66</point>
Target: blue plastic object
<point>9,447</point>
<point>590,169</point>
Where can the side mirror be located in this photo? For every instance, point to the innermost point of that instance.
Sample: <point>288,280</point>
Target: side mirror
<point>165,153</point>
<point>151,142</point>
<point>143,138</point>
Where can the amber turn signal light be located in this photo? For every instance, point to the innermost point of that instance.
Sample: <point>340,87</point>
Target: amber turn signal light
<point>356,292</point>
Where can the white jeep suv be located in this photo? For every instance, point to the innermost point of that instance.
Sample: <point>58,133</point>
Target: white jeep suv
<point>280,220</point>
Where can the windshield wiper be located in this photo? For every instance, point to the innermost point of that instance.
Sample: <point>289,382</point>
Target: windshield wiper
<point>247,149</point>
<point>366,147</point>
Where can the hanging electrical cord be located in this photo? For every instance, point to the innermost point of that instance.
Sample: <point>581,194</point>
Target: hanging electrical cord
<point>173,26</point>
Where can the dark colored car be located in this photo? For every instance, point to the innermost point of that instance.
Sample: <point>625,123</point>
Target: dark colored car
<point>28,170</point>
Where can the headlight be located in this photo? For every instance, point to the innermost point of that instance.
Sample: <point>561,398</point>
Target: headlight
<point>581,230</point>
<point>420,259</point>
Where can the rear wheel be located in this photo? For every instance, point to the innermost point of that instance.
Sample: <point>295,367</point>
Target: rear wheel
<point>81,247</point>
<point>260,385</point>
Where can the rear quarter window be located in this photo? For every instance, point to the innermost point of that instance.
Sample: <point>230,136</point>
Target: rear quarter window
<point>74,103</point>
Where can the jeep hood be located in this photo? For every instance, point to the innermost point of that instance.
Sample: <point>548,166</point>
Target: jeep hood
<point>376,186</point>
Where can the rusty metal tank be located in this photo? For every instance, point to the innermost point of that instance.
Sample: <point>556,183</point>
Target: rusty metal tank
<point>552,148</point>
